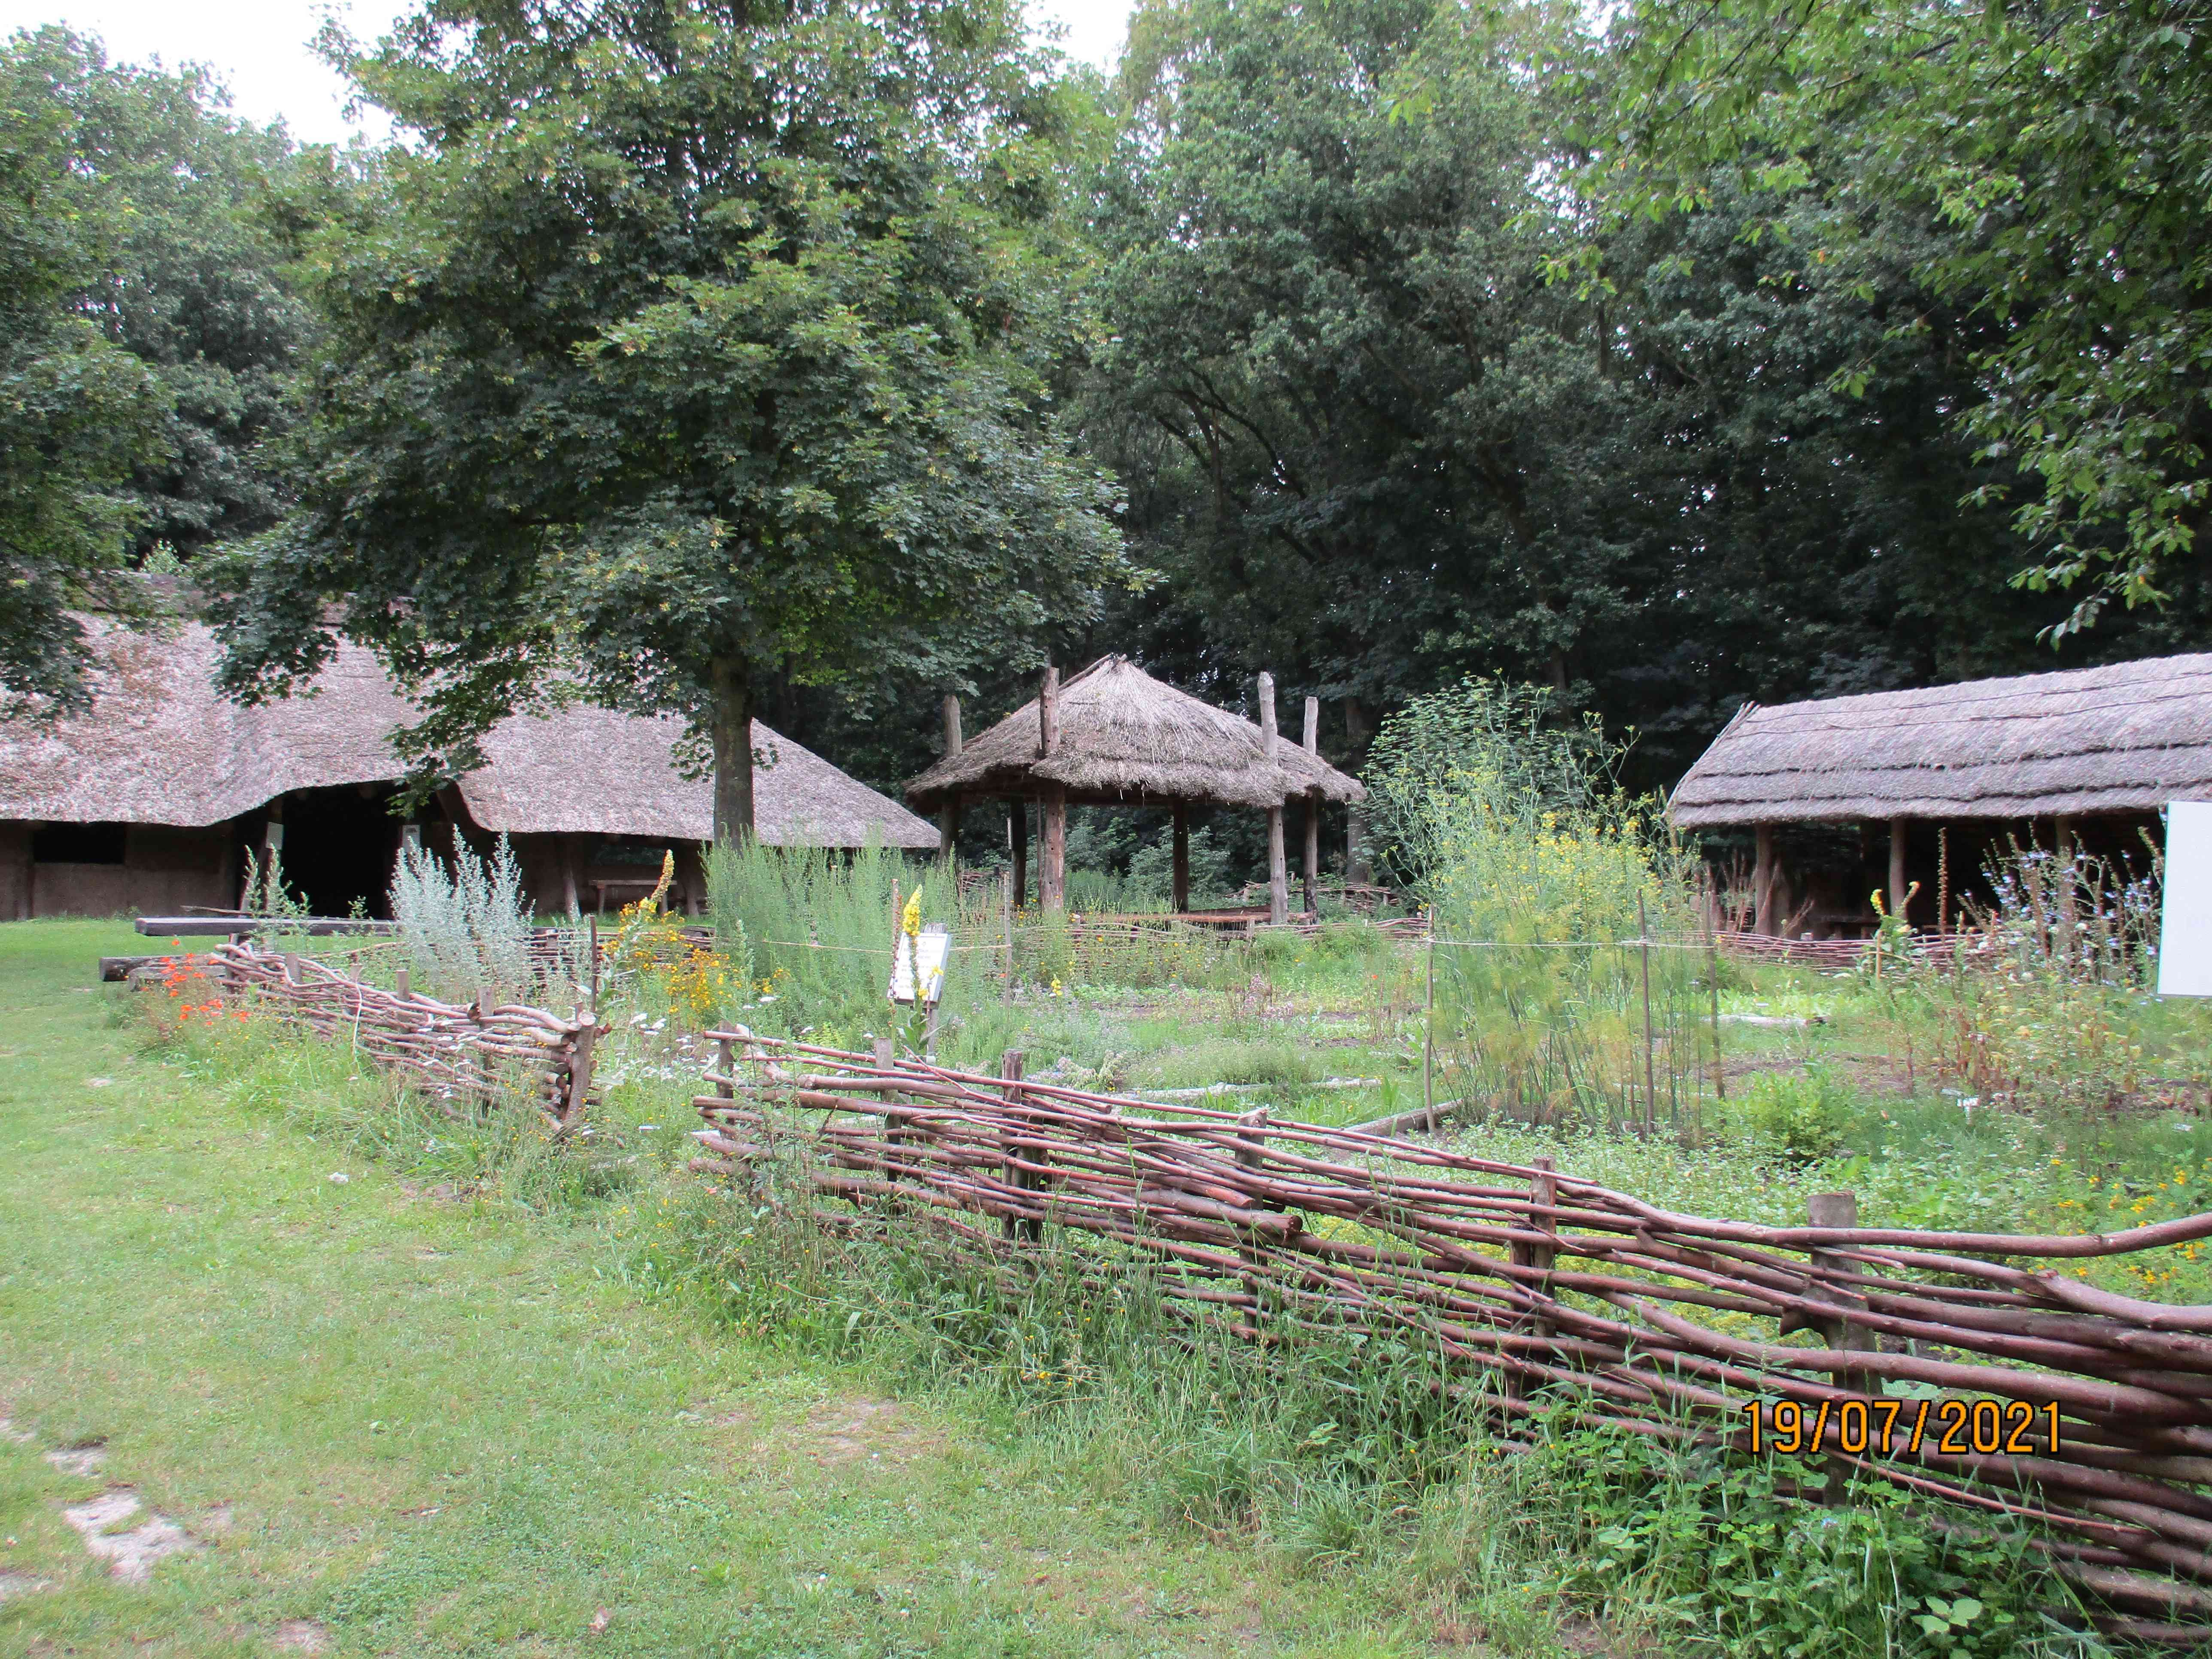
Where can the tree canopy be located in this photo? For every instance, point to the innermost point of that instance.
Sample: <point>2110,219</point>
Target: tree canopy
<point>696,344</point>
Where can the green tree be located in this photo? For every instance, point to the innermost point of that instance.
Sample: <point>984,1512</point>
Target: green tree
<point>1364,435</point>
<point>2067,146</point>
<point>699,344</point>
<point>78,413</point>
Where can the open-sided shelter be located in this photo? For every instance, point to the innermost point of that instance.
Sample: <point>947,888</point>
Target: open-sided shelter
<point>1114,735</point>
<point>152,799</point>
<point>2085,757</point>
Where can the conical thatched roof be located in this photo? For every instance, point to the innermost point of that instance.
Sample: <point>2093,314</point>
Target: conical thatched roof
<point>1127,738</point>
<point>2129,738</point>
<point>161,745</point>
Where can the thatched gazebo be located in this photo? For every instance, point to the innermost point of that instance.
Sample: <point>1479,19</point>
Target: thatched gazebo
<point>1950,772</point>
<point>1114,735</point>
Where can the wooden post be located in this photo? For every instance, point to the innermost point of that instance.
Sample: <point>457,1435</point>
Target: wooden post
<point>1836,1210</point>
<point>1429,1035</point>
<point>1006,898</point>
<point>1251,1147</point>
<point>1356,867</point>
<point>1052,877</point>
<point>1180,865</point>
<point>569,900</point>
<point>948,820</point>
<point>726,1054</point>
<point>1897,890</point>
<point>1713,973</point>
<point>1762,882</point>
<point>399,984</point>
<point>1029,1229</point>
<point>2068,844</point>
<point>1278,877</point>
<point>1313,809</point>
<point>897,1133</point>
<point>1651,1086</point>
<point>1544,1190</point>
<point>580,1071</point>
<point>1942,878</point>
<point>1018,848</point>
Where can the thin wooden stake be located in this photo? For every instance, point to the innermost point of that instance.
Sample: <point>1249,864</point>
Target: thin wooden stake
<point>1429,1035</point>
<point>1010,1066</point>
<point>1650,1087</point>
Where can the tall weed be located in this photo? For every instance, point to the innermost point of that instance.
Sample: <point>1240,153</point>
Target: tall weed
<point>465,928</point>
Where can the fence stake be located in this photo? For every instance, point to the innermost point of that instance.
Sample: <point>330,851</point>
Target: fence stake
<point>1251,1146</point>
<point>726,1050</point>
<point>1028,1228</point>
<point>901,1134</point>
<point>579,1069</point>
<point>1543,1188</point>
<point>1006,892</point>
<point>1836,1210</point>
<point>1720,1073</point>
<point>400,983</point>
<point>1650,1088</point>
<point>1429,1035</point>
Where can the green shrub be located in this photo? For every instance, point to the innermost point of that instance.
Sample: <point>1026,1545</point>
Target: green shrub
<point>1803,1116</point>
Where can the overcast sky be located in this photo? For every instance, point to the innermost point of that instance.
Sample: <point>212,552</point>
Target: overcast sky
<point>259,47</point>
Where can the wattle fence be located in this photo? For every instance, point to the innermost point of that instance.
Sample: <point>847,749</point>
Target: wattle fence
<point>465,1055</point>
<point>1966,1366</point>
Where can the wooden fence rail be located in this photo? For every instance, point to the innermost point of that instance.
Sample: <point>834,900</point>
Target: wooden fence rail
<point>461,1054</point>
<point>1967,1365</point>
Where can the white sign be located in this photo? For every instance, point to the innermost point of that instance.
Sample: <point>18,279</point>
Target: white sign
<point>934,946</point>
<point>2185,934</point>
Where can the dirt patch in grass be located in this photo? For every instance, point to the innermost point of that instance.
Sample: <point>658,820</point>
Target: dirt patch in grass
<point>12,1584</point>
<point>301,1636</point>
<point>130,1554</point>
<point>861,1429</point>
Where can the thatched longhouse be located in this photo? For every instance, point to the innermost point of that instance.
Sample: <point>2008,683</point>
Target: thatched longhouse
<point>152,800</point>
<point>1939,776</point>
<point>1114,735</point>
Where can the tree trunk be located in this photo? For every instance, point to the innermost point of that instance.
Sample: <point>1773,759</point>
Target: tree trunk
<point>1017,847</point>
<point>1052,877</point>
<point>1357,865</point>
<point>1896,884</point>
<point>732,729</point>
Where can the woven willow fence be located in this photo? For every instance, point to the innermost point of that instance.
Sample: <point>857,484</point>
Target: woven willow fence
<point>463,1055</point>
<point>1963,1365</point>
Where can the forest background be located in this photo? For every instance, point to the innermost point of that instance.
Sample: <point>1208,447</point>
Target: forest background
<point>1665,356</point>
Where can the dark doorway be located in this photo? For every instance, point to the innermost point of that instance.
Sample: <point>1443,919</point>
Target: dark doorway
<point>339,848</point>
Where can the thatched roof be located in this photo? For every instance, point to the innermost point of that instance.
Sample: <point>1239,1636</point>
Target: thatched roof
<point>1127,738</point>
<point>161,745</point>
<point>2126,738</point>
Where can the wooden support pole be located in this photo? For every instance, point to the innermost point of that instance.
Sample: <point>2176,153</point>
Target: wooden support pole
<point>1651,1086</point>
<point>1052,877</point>
<point>1279,875</point>
<point>948,819</point>
<point>900,1134</point>
<point>1180,865</point>
<point>1018,848</point>
<point>1313,809</point>
<point>1762,881</point>
<point>571,846</point>
<point>1895,898</point>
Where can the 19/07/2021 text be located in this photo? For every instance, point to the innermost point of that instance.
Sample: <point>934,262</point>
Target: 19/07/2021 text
<point>1895,1428</point>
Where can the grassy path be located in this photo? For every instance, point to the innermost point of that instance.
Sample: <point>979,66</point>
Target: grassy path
<point>399,1425</point>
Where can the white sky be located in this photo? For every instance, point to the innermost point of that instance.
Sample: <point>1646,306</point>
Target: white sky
<point>259,47</point>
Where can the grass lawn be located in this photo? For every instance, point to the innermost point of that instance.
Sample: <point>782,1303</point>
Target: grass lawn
<point>399,1423</point>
